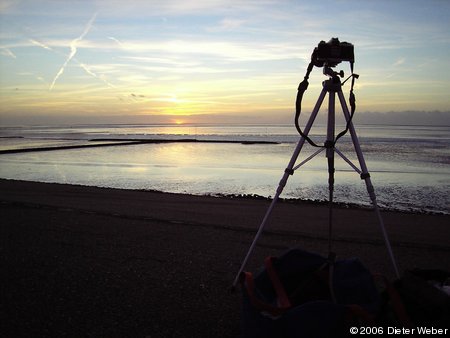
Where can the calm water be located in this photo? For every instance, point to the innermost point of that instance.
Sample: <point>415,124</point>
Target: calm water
<point>409,165</point>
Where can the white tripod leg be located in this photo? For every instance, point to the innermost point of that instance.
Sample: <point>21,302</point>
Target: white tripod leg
<point>288,171</point>
<point>366,177</point>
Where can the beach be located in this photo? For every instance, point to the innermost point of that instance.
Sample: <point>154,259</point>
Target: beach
<point>101,262</point>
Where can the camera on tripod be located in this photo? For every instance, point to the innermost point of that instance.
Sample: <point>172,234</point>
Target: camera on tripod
<point>332,53</point>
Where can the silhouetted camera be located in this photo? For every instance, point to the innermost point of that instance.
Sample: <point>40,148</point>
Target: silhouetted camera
<point>333,52</point>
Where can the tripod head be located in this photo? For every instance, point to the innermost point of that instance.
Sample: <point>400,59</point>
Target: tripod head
<point>327,70</point>
<point>334,76</point>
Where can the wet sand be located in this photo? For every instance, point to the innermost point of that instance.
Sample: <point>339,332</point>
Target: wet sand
<point>85,261</point>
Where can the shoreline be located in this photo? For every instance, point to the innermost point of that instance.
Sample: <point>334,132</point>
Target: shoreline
<point>89,261</point>
<point>339,205</point>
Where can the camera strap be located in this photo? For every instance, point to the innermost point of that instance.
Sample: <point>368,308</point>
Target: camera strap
<point>303,86</point>
<point>352,101</point>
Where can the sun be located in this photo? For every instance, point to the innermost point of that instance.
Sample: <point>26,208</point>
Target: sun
<point>178,122</point>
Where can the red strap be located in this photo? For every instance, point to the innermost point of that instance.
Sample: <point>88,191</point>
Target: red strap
<point>397,303</point>
<point>283,299</point>
<point>249,284</point>
<point>355,310</point>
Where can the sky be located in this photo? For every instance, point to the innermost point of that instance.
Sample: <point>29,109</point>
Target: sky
<point>216,61</point>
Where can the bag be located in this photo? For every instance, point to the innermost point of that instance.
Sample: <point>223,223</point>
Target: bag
<point>417,299</point>
<point>291,297</point>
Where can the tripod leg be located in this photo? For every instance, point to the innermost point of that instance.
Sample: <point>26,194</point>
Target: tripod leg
<point>366,177</point>
<point>287,172</point>
<point>329,145</point>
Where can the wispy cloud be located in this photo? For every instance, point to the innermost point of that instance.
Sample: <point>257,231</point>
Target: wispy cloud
<point>116,41</point>
<point>40,44</point>
<point>227,24</point>
<point>183,7</point>
<point>34,75</point>
<point>88,70</point>
<point>73,49</point>
<point>7,4</point>
<point>222,50</point>
<point>7,52</point>
<point>399,62</point>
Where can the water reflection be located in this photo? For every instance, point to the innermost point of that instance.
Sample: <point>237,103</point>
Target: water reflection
<point>400,178</point>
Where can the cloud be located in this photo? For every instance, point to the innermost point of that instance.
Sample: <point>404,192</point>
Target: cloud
<point>116,41</point>
<point>7,52</point>
<point>40,44</point>
<point>73,49</point>
<point>399,62</point>
<point>177,7</point>
<point>227,24</point>
<point>223,50</point>
<point>90,72</point>
<point>5,5</point>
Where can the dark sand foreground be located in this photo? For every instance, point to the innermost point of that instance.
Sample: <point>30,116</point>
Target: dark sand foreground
<point>83,261</point>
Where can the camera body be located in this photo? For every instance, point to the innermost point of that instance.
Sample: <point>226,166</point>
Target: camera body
<point>333,52</point>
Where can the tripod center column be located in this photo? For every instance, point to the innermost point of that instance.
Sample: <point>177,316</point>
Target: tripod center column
<point>332,86</point>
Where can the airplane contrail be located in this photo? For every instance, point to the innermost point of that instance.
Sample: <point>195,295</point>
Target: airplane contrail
<point>82,65</point>
<point>90,72</point>
<point>7,52</point>
<point>40,44</point>
<point>116,41</point>
<point>73,49</point>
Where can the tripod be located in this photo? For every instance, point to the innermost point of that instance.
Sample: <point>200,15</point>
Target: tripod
<point>332,86</point>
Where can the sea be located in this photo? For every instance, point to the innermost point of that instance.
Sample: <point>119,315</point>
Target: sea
<point>409,165</point>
